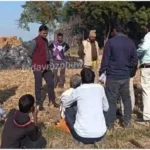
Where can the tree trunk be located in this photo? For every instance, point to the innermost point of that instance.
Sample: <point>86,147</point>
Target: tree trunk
<point>107,33</point>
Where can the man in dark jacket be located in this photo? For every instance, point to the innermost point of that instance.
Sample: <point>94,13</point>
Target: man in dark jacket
<point>40,56</point>
<point>19,130</point>
<point>132,70</point>
<point>58,49</point>
<point>119,55</point>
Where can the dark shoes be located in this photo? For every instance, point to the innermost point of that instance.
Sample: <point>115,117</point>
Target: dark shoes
<point>126,124</point>
<point>143,121</point>
<point>110,127</point>
<point>54,105</point>
<point>123,124</point>
<point>41,108</point>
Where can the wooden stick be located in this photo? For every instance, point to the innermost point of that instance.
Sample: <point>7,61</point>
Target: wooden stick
<point>136,143</point>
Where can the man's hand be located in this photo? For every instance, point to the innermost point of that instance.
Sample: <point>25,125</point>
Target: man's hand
<point>35,113</point>
<point>102,82</point>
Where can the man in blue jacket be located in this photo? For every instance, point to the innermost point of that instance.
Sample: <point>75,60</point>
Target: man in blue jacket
<point>119,56</point>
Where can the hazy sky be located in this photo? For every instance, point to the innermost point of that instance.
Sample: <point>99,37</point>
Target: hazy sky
<point>10,11</point>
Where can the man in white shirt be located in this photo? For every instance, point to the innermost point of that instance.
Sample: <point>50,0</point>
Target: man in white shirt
<point>87,120</point>
<point>144,57</point>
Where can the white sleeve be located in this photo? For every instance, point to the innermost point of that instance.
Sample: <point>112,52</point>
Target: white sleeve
<point>144,46</point>
<point>71,99</point>
<point>65,101</point>
<point>32,48</point>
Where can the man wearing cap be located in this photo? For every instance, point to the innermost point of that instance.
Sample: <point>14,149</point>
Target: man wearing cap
<point>90,52</point>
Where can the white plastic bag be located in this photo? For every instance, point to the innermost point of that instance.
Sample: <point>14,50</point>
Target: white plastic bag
<point>102,78</point>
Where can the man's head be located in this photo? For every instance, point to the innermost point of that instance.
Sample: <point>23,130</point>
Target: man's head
<point>127,32</point>
<point>114,32</point>
<point>26,103</point>
<point>75,81</point>
<point>43,31</point>
<point>92,35</point>
<point>87,76</point>
<point>60,37</point>
<point>117,29</point>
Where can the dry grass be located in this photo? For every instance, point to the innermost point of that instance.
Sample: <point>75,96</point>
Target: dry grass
<point>15,83</point>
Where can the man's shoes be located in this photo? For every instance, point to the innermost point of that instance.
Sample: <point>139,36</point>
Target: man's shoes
<point>126,124</point>
<point>54,105</point>
<point>119,113</point>
<point>143,121</point>
<point>110,127</point>
<point>40,107</point>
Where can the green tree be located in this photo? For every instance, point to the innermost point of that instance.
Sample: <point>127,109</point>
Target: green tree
<point>85,16</point>
<point>103,15</point>
<point>140,19</point>
<point>39,12</point>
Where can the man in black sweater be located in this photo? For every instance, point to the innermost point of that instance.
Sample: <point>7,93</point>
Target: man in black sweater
<point>19,130</point>
<point>119,56</point>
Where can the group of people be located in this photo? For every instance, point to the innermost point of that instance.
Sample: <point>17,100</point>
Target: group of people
<point>88,108</point>
<point>43,55</point>
<point>119,64</point>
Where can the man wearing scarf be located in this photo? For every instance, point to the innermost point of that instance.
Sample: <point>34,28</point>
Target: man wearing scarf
<point>90,52</point>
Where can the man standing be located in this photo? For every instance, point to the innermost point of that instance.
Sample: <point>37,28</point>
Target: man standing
<point>58,49</point>
<point>89,51</point>
<point>119,55</point>
<point>144,57</point>
<point>131,85</point>
<point>40,62</point>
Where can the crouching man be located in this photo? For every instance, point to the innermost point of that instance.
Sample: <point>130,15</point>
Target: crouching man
<point>75,82</point>
<point>19,130</point>
<point>87,121</point>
